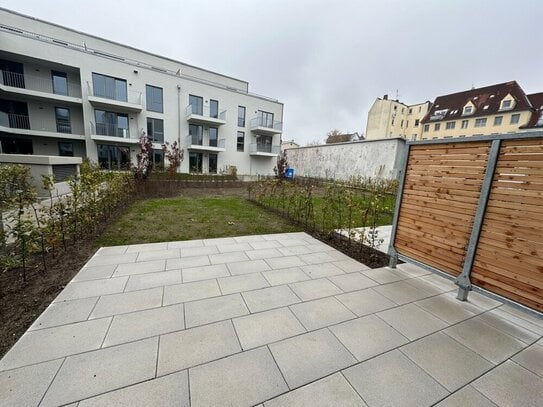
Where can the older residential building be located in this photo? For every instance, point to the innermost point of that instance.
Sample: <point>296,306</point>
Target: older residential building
<point>501,108</point>
<point>289,144</point>
<point>392,118</point>
<point>66,93</point>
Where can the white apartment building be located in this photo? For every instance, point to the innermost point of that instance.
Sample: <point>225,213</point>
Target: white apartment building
<point>66,93</point>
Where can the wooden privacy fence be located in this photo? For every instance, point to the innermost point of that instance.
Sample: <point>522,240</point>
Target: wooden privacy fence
<point>473,208</point>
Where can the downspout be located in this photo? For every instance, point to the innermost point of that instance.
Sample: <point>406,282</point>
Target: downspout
<point>179,118</point>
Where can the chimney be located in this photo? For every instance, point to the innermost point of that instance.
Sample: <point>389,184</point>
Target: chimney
<point>385,97</point>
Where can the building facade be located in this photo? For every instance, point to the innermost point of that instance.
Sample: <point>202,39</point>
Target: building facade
<point>500,108</point>
<point>67,93</point>
<point>392,118</point>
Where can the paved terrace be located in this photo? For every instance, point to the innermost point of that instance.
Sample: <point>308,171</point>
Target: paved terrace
<point>282,320</point>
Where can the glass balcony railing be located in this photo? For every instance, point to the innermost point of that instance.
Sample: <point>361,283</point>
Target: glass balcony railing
<point>39,84</point>
<point>205,111</point>
<point>116,94</point>
<point>266,123</point>
<point>264,148</point>
<point>111,130</point>
<point>197,140</point>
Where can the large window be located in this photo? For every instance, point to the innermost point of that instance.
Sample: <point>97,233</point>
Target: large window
<point>241,141</point>
<point>515,118</point>
<point>109,87</point>
<point>265,119</point>
<point>12,73</point>
<point>498,120</point>
<point>158,159</point>
<point>197,134</point>
<point>241,116</point>
<point>65,149</point>
<point>214,108</point>
<point>480,122</point>
<point>62,117</point>
<point>113,157</point>
<point>213,158</point>
<point>450,125</point>
<point>197,103</point>
<point>154,99</point>
<point>264,143</point>
<point>213,136</point>
<point>12,145</point>
<point>465,124</point>
<point>195,162</point>
<point>60,82</point>
<point>111,124</point>
<point>155,130</point>
<point>14,114</point>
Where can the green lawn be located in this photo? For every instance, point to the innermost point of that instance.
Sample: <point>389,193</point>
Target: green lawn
<point>160,220</point>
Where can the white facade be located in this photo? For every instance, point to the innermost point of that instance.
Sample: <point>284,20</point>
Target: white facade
<point>46,69</point>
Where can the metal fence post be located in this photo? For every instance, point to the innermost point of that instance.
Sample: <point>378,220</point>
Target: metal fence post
<point>463,280</point>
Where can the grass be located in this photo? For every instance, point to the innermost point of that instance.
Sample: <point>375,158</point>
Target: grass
<point>161,220</point>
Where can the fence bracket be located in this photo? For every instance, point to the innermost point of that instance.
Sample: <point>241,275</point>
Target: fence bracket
<point>393,258</point>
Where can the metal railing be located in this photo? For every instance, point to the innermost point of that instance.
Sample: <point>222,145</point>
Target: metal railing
<point>264,148</point>
<point>38,83</point>
<point>109,92</point>
<point>263,122</point>
<point>21,121</point>
<point>111,130</point>
<point>205,111</point>
<point>197,140</point>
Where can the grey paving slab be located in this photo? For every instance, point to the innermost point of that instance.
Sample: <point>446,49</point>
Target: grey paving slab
<point>185,244</point>
<point>246,282</point>
<point>247,267</point>
<point>448,308</point>
<point>511,385</point>
<point>413,270</point>
<point>487,341</point>
<point>204,272</point>
<point>531,358</point>
<point>364,302</point>
<point>350,265</point>
<point>412,321</point>
<point>520,317</point>
<point>186,262</point>
<point>291,241</point>
<point>111,250</point>
<point>140,268</point>
<point>265,244</point>
<point>506,325</point>
<point>384,275</point>
<point>321,270</point>
<point>198,251</point>
<point>352,281</point>
<point>27,385</point>
<point>295,250</point>
<point>446,360</point>
<point>171,390</point>
<point>146,247</point>
<point>482,301</point>
<point>368,336</point>
<point>198,290</point>
<point>312,289</point>
<point>310,356</point>
<point>401,293</point>
<point>159,255</point>
<point>424,285</point>
<point>65,312</point>
<point>267,327</point>
<point>231,257</point>
<point>285,276</point>
<point>333,390</point>
<point>234,247</point>
<point>53,343</point>
<point>162,278</point>
<point>440,282</point>
<point>249,239</point>
<point>268,253</point>
<point>95,272</point>
<point>191,347</point>
<point>321,313</point>
<point>219,240</point>
<point>466,396</point>
<point>337,255</point>
<point>244,379</point>
<point>112,259</point>
<point>268,298</point>
<point>94,288</point>
<point>214,309</point>
<point>285,262</point>
<point>316,257</point>
<point>109,305</point>
<point>392,379</point>
<point>144,324</point>
<point>92,373</point>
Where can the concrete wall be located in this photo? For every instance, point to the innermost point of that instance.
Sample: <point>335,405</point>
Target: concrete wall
<point>374,158</point>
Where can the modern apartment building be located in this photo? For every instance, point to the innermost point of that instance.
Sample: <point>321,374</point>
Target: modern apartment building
<point>66,93</point>
<point>391,118</point>
<point>501,108</point>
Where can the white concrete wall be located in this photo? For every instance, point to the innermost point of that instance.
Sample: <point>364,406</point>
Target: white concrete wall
<point>375,159</point>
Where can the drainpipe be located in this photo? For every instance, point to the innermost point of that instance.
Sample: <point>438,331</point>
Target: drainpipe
<point>179,118</point>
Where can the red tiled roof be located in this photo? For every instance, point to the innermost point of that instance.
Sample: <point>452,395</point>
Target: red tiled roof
<point>536,99</point>
<point>451,106</point>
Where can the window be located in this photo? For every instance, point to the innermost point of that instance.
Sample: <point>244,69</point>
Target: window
<point>109,87</point>
<point>113,157</point>
<point>196,133</point>
<point>195,162</point>
<point>506,104</point>
<point>62,117</point>
<point>410,111</point>
<point>465,124</point>
<point>214,108</point>
<point>158,159</point>
<point>197,105</point>
<point>498,120</point>
<point>213,163</point>
<point>450,125</point>
<point>515,118</point>
<point>11,145</point>
<point>417,121</point>
<point>154,99</point>
<point>155,130</point>
<point>111,124</point>
<point>65,149</point>
<point>468,110</point>
<point>264,143</point>
<point>480,122</point>
<point>213,136</point>
<point>241,141</point>
<point>437,126</point>
<point>241,116</point>
<point>265,119</point>
<point>60,82</point>
<point>426,128</point>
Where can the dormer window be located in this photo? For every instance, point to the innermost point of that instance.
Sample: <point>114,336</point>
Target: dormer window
<point>506,104</point>
<point>468,110</point>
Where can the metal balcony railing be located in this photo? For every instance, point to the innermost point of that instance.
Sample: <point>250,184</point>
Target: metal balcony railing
<point>197,140</point>
<point>109,92</point>
<point>111,130</point>
<point>21,121</point>
<point>38,83</point>
<point>205,111</point>
<point>264,148</point>
<point>263,122</point>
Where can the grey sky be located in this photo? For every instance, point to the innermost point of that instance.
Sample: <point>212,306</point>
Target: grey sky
<point>326,61</point>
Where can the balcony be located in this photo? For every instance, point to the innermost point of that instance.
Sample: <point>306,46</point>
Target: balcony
<point>38,87</point>
<point>111,133</point>
<point>196,114</point>
<point>197,143</point>
<point>23,125</point>
<point>261,125</point>
<point>264,150</point>
<point>109,99</point>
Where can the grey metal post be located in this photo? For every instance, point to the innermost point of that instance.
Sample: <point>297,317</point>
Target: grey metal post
<point>463,281</point>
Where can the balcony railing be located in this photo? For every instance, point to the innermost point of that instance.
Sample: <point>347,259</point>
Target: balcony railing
<point>21,121</point>
<point>109,92</point>
<point>110,130</point>
<point>205,111</point>
<point>264,148</point>
<point>269,124</point>
<point>196,140</point>
<point>38,83</point>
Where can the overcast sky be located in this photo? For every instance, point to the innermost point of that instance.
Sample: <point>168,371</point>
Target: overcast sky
<point>326,61</point>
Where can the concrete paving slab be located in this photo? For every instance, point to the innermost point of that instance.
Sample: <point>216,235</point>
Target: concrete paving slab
<point>447,308</point>
<point>321,313</point>
<point>413,270</point>
<point>231,257</point>
<point>198,290</point>
<point>95,272</point>
<point>158,255</point>
<point>523,318</point>
<point>185,244</point>
<point>531,358</point>
<point>198,251</point>
<point>352,282</point>
<point>412,321</point>
<point>94,288</point>
<point>64,312</point>
<point>392,379</point>
<point>351,266</point>
<point>268,298</point>
<point>368,336</point>
<point>268,253</point>
<point>440,282</point>
<point>312,289</point>
<point>267,327</point>
<point>219,240</point>
<point>507,326</point>
<point>53,343</point>
<point>265,244</point>
<point>295,250</point>
<point>191,347</point>
<point>204,272</point>
<point>314,257</point>
<point>244,379</point>
<point>249,239</point>
<point>247,267</point>
<point>423,285</point>
<point>446,360</point>
<point>111,251</point>
<point>310,356</point>
<point>384,275</point>
<point>145,324</point>
<point>147,247</point>
<point>364,302</point>
<point>333,390</point>
<point>171,390</point>
<point>247,282</point>
<point>401,293</point>
<point>186,262</point>
<point>284,262</point>
<point>114,304</point>
<point>234,247</point>
<point>214,309</point>
<point>144,281</point>
<point>466,396</point>
<point>93,373</point>
<point>321,270</point>
<point>285,276</point>
<point>140,268</point>
<point>112,259</point>
<point>482,301</point>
